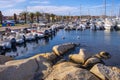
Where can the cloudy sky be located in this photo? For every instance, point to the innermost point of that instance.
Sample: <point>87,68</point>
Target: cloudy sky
<point>60,7</point>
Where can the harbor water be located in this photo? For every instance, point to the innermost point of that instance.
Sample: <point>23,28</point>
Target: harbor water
<point>92,41</point>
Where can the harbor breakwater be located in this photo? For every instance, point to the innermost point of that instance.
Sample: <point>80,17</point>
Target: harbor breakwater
<point>52,66</point>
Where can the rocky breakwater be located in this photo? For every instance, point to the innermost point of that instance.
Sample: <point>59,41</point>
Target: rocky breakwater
<point>4,59</point>
<point>95,65</point>
<point>63,48</point>
<point>37,67</point>
<point>33,68</point>
<point>81,66</point>
<point>70,71</point>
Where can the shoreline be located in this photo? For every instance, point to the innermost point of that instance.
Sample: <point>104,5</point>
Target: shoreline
<point>14,27</point>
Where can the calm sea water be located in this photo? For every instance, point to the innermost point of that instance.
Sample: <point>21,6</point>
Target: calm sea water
<point>93,41</point>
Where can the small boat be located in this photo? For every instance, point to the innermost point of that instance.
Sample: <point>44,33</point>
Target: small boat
<point>29,37</point>
<point>81,27</point>
<point>93,26</point>
<point>20,38</point>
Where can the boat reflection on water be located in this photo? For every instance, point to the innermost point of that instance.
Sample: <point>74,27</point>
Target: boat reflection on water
<point>107,36</point>
<point>28,48</point>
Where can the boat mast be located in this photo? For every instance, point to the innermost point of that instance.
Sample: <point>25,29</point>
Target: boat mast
<point>119,12</point>
<point>80,12</point>
<point>105,8</point>
<point>112,9</point>
<point>88,13</point>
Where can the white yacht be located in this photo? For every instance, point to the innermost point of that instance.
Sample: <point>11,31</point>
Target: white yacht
<point>109,25</point>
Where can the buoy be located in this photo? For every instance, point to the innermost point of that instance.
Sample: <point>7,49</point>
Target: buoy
<point>78,37</point>
<point>63,37</point>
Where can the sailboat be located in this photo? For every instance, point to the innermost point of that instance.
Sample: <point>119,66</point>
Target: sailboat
<point>108,23</point>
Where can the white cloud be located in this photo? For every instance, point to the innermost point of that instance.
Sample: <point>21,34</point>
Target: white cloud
<point>61,10</point>
<point>10,12</point>
<point>39,2</point>
<point>9,3</point>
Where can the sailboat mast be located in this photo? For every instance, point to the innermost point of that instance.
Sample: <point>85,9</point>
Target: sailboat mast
<point>119,12</point>
<point>113,8</point>
<point>105,8</point>
<point>80,12</point>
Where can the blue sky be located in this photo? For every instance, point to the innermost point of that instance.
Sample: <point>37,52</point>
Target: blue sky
<point>60,7</point>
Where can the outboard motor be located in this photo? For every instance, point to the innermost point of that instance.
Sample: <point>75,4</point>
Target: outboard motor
<point>25,30</point>
<point>51,31</point>
<point>46,33</point>
<point>36,37</point>
<point>2,50</point>
<point>13,44</point>
<point>24,38</point>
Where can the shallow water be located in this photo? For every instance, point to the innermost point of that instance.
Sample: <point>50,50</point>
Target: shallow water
<point>93,41</point>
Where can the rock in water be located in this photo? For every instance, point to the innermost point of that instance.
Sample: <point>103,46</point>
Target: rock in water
<point>90,62</point>
<point>103,55</point>
<point>81,57</point>
<point>105,72</point>
<point>4,59</point>
<point>76,58</point>
<point>69,71</point>
<point>61,49</point>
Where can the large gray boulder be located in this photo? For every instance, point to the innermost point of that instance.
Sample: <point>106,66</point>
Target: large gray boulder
<point>36,67</point>
<point>4,59</point>
<point>44,62</point>
<point>61,49</point>
<point>69,71</point>
<point>18,70</point>
<point>105,72</point>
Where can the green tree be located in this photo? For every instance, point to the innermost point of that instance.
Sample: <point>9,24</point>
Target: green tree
<point>15,18</point>
<point>1,17</point>
<point>32,17</point>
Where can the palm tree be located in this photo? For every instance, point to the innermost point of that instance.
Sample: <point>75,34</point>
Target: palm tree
<point>24,15</point>
<point>47,17</point>
<point>15,18</point>
<point>1,17</point>
<point>31,17</point>
<point>38,14</point>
